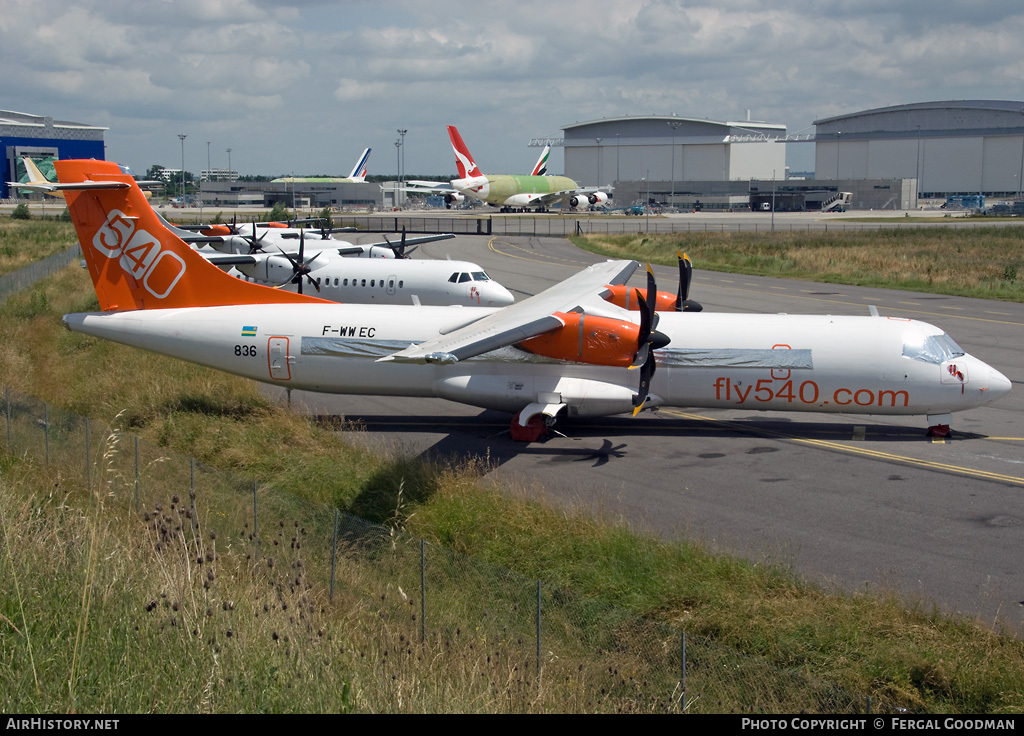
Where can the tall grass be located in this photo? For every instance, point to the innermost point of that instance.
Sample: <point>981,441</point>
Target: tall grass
<point>984,262</point>
<point>54,589</point>
<point>24,242</point>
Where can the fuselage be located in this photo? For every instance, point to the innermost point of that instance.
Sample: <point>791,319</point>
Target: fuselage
<point>379,281</point>
<point>507,190</point>
<point>855,365</point>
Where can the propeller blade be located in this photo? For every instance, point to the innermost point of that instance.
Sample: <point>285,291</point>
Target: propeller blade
<point>648,340</point>
<point>683,301</point>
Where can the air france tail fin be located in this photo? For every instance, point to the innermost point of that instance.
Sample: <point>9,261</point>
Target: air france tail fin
<point>541,169</point>
<point>135,262</point>
<point>359,170</point>
<point>463,158</point>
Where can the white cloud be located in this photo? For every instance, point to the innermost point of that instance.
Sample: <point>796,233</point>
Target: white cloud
<point>306,84</point>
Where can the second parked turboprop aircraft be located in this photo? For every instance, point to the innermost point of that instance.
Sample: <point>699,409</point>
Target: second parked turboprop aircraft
<point>509,191</point>
<point>565,350</point>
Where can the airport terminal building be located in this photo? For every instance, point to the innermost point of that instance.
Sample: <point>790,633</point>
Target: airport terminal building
<point>43,139</point>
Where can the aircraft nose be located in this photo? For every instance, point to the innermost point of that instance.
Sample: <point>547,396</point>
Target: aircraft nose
<point>998,384</point>
<point>499,296</point>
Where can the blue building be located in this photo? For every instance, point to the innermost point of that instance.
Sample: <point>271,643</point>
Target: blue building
<point>43,139</point>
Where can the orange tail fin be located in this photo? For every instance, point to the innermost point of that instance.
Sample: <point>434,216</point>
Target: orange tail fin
<point>134,260</point>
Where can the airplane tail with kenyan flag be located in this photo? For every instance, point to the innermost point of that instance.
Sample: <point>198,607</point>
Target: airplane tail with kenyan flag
<point>137,263</point>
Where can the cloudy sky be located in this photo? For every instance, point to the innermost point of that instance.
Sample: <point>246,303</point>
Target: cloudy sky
<point>304,85</point>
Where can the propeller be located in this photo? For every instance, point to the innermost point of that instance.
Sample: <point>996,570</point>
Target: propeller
<point>254,241</point>
<point>300,267</point>
<point>400,249</point>
<point>683,303</point>
<point>325,229</point>
<point>648,340</point>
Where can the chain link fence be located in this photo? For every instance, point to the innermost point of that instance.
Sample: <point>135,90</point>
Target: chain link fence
<point>563,225</point>
<point>25,277</point>
<point>530,631</point>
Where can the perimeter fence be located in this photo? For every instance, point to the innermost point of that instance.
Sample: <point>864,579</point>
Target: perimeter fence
<point>561,226</point>
<point>25,277</point>
<point>429,593</point>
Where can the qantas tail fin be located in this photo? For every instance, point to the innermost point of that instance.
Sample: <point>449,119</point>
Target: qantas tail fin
<point>541,169</point>
<point>134,260</point>
<point>463,158</point>
<point>359,170</point>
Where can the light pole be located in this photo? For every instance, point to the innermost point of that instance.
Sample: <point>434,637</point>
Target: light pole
<point>208,166</point>
<point>229,162</point>
<point>598,161</point>
<point>182,136</point>
<point>401,169</point>
<point>773,200</point>
<point>673,124</point>
<point>398,163</point>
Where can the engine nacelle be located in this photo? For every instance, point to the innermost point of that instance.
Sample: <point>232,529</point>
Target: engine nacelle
<point>625,296</point>
<point>588,339</point>
<point>453,198</point>
<point>599,198</point>
<point>579,201</point>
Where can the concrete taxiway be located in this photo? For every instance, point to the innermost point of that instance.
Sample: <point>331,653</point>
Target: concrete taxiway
<point>861,503</point>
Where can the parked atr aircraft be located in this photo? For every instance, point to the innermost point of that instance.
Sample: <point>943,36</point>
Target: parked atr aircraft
<point>368,280</point>
<point>357,176</point>
<point>272,236</point>
<point>563,350</point>
<point>508,191</point>
<point>385,275</point>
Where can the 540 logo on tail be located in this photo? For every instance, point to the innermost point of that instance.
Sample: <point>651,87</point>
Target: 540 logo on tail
<point>158,270</point>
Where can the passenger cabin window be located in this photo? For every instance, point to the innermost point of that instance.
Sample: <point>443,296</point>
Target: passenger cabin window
<point>931,348</point>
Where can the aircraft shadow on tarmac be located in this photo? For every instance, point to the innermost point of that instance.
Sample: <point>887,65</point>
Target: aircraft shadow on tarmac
<point>606,439</point>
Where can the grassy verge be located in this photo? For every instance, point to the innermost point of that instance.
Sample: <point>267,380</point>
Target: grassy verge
<point>987,263</point>
<point>860,644</point>
<point>24,242</point>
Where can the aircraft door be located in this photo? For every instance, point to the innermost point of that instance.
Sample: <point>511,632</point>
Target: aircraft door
<point>278,359</point>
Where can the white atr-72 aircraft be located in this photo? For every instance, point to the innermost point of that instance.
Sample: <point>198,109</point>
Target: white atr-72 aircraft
<point>566,349</point>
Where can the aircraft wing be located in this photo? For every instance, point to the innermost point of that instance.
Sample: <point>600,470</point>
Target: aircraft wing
<point>228,259</point>
<point>546,200</point>
<point>428,187</point>
<point>522,320</point>
<point>54,187</point>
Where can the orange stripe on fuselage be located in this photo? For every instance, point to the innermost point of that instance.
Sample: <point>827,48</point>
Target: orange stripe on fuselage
<point>137,263</point>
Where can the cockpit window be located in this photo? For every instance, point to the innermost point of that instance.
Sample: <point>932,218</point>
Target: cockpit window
<point>480,276</point>
<point>463,277</point>
<point>454,278</point>
<point>931,348</point>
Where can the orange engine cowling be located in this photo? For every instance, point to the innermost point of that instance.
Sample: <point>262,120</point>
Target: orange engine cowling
<point>625,297</point>
<point>217,230</point>
<point>588,339</point>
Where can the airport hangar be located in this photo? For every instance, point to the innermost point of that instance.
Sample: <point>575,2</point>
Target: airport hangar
<point>43,139</point>
<point>880,156</point>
